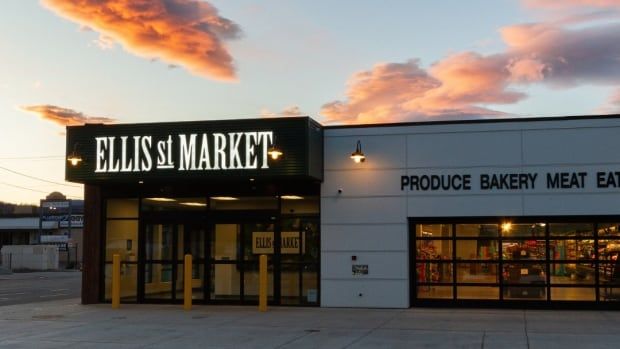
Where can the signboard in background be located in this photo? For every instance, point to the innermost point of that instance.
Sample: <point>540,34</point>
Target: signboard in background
<point>46,239</point>
<point>262,242</point>
<point>77,221</point>
<point>55,204</point>
<point>60,241</point>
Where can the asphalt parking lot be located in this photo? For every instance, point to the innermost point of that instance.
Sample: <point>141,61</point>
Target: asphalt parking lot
<point>22,288</point>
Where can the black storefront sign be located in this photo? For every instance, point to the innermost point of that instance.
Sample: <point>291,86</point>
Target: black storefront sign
<point>201,149</point>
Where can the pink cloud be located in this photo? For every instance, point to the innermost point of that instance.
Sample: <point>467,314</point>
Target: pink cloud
<point>292,110</point>
<point>189,33</point>
<point>392,92</point>
<point>556,4</point>
<point>612,105</point>
<point>64,116</point>
<point>466,84</point>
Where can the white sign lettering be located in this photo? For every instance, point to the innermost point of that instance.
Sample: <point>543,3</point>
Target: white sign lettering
<point>184,152</point>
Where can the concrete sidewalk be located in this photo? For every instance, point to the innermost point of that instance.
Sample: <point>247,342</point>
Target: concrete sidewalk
<point>66,324</point>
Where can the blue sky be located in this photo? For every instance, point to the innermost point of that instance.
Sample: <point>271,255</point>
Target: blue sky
<point>292,57</point>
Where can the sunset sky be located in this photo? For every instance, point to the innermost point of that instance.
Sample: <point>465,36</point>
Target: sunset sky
<point>66,62</point>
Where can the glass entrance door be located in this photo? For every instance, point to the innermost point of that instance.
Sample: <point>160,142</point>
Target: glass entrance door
<point>165,246</point>
<point>235,251</point>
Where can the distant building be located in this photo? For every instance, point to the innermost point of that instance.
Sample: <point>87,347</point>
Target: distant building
<point>47,224</point>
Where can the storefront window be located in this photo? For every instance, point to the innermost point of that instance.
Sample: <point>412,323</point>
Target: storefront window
<point>571,229</point>
<point>477,230</point>
<point>295,204</point>
<point>524,249</point>
<point>434,292</point>
<point>608,229</point>
<point>522,230</point>
<point>158,204</point>
<point>243,203</point>
<point>434,230</point>
<point>122,208</point>
<point>122,239</point>
<point>536,261</point>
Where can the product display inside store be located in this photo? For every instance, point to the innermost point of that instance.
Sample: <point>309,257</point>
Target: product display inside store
<point>540,261</point>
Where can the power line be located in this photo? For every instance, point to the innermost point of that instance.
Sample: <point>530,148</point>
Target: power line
<point>32,157</point>
<point>35,190</point>
<point>38,179</point>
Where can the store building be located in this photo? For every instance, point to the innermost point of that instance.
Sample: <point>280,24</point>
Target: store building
<point>512,212</point>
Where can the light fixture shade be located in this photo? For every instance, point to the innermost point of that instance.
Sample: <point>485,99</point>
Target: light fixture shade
<point>358,156</point>
<point>274,152</point>
<point>74,158</point>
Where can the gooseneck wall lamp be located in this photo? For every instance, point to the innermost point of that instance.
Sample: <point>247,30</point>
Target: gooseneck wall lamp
<point>74,158</point>
<point>274,152</point>
<point>358,156</point>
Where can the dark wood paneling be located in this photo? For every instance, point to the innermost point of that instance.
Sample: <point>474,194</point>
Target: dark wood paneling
<point>91,272</point>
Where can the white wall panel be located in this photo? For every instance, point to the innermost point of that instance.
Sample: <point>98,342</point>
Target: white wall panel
<point>381,265</point>
<point>572,146</point>
<point>474,205</point>
<point>500,148</point>
<point>364,182</point>
<point>374,293</point>
<point>374,210</point>
<point>359,237</point>
<point>381,152</point>
<point>572,204</point>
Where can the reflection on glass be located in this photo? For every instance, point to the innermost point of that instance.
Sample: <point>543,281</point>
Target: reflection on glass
<point>160,204</point>
<point>225,282</point>
<point>608,229</point>
<point>259,238</point>
<point>122,239</point>
<point>158,281</point>
<point>434,292</point>
<point>159,239</point>
<point>251,283</point>
<point>477,292</point>
<point>290,279</point>
<point>571,229</point>
<point>573,294</point>
<point>572,250</point>
<point>477,230</point>
<point>304,205</point>
<point>477,272</point>
<point>523,230</point>
<point>433,272</point>
<point>434,230</point>
<point>224,245</point>
<point>197,281</point>
<point>129,281</point>
<point>524,249</point>
<point>434,249</point>
<point>244,203</point>
<point>308,250</point>
<point>534,292</point>
<point>477,249</point>
<point>122,208</point>
<point>310,285</point>
<point>191,241</point>
<point>573,273</point>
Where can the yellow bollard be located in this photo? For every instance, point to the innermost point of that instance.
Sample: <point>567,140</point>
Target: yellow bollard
<point>187,283</point>
<point>116,281</point>
<point>262,281</point>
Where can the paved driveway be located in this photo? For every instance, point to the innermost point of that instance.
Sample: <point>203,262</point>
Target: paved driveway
<point>20,288</point>
<point>66,324</point>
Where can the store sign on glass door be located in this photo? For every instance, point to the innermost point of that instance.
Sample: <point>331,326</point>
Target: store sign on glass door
<point>290,243</point>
